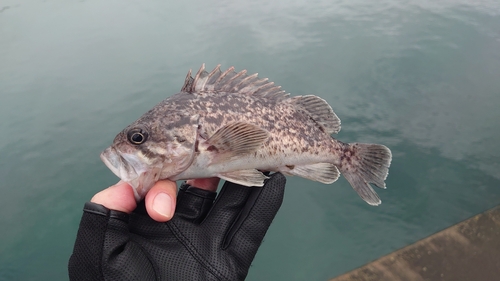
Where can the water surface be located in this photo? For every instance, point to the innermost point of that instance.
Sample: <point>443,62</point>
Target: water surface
<point>418,76</point>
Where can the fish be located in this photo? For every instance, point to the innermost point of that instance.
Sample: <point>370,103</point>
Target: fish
<point>236,126</point>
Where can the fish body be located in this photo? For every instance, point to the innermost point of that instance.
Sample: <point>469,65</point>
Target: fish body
<point>232,126</point>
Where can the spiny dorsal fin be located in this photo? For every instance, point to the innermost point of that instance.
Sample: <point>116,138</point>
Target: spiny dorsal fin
<point>320,111</point>
<point>188,82</point>
<point>231,81</point>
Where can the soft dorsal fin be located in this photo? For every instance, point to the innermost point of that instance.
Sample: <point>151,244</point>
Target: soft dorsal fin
<point>231,81</point>
<point>320,111</point>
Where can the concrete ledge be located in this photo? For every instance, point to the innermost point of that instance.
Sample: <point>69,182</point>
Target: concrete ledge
<point>469,250</point>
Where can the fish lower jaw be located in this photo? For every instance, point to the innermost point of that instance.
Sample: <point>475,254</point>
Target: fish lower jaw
<point>135,187</point>
<point>111,166</point>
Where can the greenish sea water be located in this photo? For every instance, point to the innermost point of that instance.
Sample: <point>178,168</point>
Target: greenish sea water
<point>419,76</point>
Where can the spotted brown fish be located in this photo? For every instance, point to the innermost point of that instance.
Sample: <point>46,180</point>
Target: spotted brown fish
<point>233,126</point>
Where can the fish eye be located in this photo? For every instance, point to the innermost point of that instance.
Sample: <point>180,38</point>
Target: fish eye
<point>137,136</point>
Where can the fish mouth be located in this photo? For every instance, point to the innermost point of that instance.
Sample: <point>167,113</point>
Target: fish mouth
<point>131,169</point>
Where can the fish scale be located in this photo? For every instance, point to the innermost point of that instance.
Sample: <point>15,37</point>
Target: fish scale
<point>233,126</point>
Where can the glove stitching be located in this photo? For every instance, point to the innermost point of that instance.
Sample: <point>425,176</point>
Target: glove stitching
<point>95,212</point>
<point>157,270</point>
<point>130,240</point>
<point>229,236</point>
<point>243,215</point>
<point>105,233</point>
<point>194,253</point>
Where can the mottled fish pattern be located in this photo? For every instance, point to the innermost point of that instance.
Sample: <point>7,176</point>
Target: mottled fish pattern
<point>232,125</point>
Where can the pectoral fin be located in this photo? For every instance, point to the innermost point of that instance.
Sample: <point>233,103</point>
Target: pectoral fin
<point>250,177</point>
<point>322,172</point>
<point>235,140</point>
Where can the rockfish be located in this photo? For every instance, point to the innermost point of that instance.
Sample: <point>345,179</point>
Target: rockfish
<point>233,126</point>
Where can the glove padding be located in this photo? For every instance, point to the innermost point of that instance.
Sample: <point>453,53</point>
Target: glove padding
<point>205,240</point>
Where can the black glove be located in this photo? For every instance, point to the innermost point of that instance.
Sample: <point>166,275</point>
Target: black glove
<point>205,240</point>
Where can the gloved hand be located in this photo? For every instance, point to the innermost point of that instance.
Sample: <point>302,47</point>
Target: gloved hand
<point>205,240</point>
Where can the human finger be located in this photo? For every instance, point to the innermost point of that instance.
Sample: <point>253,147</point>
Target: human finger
<point>209,184</point>
<point>161,200</point>
<point>119,197</point>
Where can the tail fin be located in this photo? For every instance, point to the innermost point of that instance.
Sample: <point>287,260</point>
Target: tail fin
<point>363,164</point>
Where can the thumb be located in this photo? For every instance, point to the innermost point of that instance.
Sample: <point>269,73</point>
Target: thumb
<point>119,197</point>
<point>161,199</point>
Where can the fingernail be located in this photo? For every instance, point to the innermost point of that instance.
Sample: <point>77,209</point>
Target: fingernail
<point>162,204</point>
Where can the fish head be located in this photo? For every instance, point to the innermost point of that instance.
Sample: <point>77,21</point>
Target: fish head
<point>142,154</point>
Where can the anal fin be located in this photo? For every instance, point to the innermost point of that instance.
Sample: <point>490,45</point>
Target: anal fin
<point>322,172</point>
<point>250,177</point>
